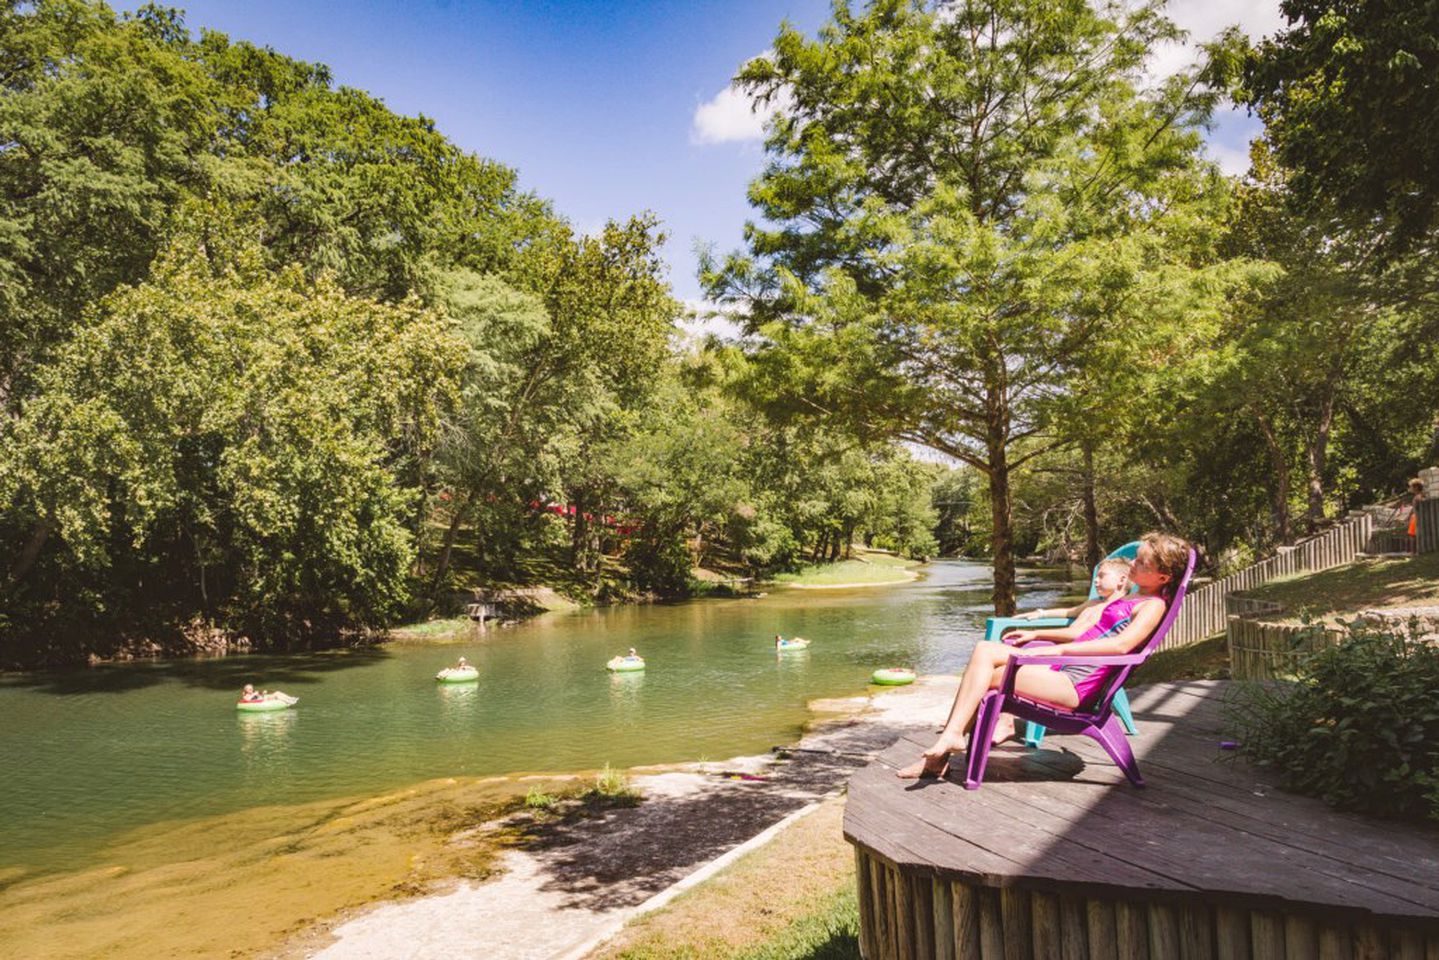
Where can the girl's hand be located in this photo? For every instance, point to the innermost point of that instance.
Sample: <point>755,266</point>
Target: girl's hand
<point>1020,636</point>
<point>1029,615</point>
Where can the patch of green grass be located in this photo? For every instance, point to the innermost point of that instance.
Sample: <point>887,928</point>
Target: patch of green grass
<point>1205,660</point>
<point>1355,586</point>
<point>872,568</point>
<point>432,629</point>
<point>612,788</point>
<point>537,799</point>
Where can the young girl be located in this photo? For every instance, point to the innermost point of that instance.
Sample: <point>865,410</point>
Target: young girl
<point>1156,571</point>
<point>1111,583</point>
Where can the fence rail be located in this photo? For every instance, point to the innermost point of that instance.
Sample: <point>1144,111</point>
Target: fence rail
<point>1206,610</point>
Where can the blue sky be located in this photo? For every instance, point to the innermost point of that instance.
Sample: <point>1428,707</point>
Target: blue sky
<point>605,107</point>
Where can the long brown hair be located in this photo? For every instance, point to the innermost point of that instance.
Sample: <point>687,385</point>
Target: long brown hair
<point>1171,556</point>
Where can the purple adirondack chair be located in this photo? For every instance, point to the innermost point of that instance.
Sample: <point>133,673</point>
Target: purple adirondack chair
<point>1095,719</point>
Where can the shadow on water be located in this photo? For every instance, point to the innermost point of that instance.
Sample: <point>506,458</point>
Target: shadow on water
<point>210,673</point>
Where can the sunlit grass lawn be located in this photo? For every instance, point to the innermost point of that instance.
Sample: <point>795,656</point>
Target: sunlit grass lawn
<point>873,568</point>
<point>1356,586</point>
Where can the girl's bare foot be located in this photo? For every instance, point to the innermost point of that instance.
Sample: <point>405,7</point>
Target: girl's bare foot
<point>1003,730</point>
<point>926,766</point>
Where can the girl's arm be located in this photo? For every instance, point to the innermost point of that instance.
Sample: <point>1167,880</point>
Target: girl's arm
<point>1060,634</point>
<point>1143,623</point>
<point>1067,612</point>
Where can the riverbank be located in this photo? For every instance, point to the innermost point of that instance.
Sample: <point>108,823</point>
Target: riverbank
<point>576,881</point>
<point>866,568</point>
<point>315,869</point>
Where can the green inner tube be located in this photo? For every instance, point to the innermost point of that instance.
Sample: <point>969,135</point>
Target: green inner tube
<point>458,675</point>
<point>268,705</point>
<point>893,677</point>
<point>625,665</point>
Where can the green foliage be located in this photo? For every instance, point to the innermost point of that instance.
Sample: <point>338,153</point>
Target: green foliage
<point>234,433</point>
<point>1347,93</point>
<point>612,787</point>
<point>966,208</point>
<point>1358,728</point>
<point>537,799</point>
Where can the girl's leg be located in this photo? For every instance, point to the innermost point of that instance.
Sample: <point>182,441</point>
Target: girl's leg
<point>1034,682</point>
<point>985,663</point>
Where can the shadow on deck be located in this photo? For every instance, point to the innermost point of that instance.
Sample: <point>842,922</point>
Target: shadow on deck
<point>1057,856</point>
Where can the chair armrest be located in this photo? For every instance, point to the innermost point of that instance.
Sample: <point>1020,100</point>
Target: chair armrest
<point>994,627</point>
<point>1011,669</point>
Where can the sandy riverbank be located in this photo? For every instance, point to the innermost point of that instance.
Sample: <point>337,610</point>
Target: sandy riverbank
<point>573,883</point>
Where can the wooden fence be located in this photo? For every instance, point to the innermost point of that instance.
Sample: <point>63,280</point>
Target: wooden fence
<point>1205,612</point>
<point>1428,525</point>
<point>1269,651</point>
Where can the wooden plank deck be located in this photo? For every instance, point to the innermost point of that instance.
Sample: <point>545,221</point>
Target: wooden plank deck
<point>1210,832</point>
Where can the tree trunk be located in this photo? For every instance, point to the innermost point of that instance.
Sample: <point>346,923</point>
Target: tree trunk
<point>1318,460</point>
<point>1002,520</point>
<point>1279,463</point>
<point>1092,556</point>
<point>579,537</point>
<point>442,565</point>
<point>31,551</point>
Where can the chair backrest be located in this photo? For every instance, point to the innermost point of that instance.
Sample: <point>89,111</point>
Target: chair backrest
<point>1127,552</point>
<point>1117,679</point>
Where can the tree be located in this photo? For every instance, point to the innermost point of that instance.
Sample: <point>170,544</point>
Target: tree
<point>1348,94</point>
<point>222,443</point>
<point>964,202</point>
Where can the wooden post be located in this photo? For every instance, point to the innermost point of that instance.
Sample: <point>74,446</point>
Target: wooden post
<point>1044,916</point>
<point>1103,940</point>
<point>1163,931</point>
<point>922,898</point>
<point>1196,933</point>
<point>942,897</point>
<point>1073,939</point>
<point>1301,938</point>
<point>1131,924</point>
<point>1231,934</point>
<point>991,926</point>
<point>1014,908</point>
<point>1266,932</point>
<point>1335,943</point>
<point>868,947</point>
<point>1369,944</point>
<point>966,920</point>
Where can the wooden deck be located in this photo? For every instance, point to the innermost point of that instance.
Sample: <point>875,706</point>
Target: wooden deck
<point>1058,856</point>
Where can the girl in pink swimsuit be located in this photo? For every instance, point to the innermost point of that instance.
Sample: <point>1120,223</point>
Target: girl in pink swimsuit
<point>1116,616</point>
<point>1157,572</point>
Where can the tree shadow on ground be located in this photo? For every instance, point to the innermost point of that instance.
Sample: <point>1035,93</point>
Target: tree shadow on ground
<point>606,857</point>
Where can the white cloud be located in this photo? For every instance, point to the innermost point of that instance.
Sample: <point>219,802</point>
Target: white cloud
<point>1203,19</point>
<point>733,116</point>
<point>1232,160</point>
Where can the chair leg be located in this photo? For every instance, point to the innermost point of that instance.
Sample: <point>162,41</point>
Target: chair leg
<point>1033,733</point>
<point>979,740</point>
<point>1120,705</point>
<point>1111,737</point>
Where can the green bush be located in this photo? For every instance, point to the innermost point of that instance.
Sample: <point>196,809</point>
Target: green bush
<point>1358,726</point>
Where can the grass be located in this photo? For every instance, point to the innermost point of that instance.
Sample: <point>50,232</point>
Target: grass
<point>433,629</point>
<point>1356,586</point>
<point>866,568</point>
<point>792,899</point>
<point>1205,660</point>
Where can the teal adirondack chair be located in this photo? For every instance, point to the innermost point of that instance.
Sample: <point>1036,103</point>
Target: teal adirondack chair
<point>994,628</point>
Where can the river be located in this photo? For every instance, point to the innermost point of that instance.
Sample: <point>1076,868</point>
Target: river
<point>91,754</point>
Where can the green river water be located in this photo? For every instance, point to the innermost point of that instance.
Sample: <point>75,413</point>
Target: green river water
<point>90,754</point>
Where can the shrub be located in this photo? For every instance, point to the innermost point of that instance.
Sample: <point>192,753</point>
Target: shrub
<point>537,799</point>
<point>1358,727</point>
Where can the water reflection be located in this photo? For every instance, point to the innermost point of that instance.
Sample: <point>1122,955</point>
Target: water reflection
<point>266,738</point>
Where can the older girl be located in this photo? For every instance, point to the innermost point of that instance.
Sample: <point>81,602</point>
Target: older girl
<point>1156,571</point>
